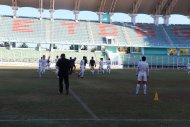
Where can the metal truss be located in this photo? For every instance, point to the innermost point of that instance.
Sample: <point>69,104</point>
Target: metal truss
<point>170,6</point>
<point>102,6</point>
<point>77,5</point>
<point>112,8</point>
<point>136,6</point>
<point>159,7</point>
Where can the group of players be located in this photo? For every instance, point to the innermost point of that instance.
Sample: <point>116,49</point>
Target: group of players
<point>92,65</point>
<point>45,65</point>
<point>142,71</point>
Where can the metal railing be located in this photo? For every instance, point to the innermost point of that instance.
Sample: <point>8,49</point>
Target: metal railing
<point>156,61</point>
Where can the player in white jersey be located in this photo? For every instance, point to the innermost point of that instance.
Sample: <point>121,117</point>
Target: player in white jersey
<point>40,65</point>
<point>82,67</point>
<point>188,68</point>
<point>108,63</point>
<point>142,75</point>
<point>43,64</point>
<point>56,67</point>
<point>101,64</point>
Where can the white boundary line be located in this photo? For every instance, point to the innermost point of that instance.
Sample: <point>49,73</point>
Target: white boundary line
<point>99,120</point>
<point>83,104</point>
<point>93,115</point>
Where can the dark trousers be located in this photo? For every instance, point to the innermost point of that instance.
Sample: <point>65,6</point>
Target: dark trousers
<point>71,70</point>
<point>66,82</point>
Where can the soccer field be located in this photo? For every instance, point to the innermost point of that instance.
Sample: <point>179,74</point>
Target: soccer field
<point>95,101</point>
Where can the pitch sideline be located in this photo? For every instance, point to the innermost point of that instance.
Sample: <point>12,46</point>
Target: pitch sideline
<point>100,120</point>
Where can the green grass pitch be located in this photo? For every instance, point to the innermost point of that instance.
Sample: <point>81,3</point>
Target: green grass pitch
<point>95,101</point>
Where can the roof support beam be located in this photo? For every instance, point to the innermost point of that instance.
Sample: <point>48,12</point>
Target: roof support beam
<point>77,5</point>
<point>101,10</point>
<point>52,4</point>
<point>112,8</point>
<point>52,9</point>
<point>160,6</point>
<point>40,8</point>
<point>102,6</point>
<point>170,6</point>
<point>136,6</point>
<point>14,7</point>
<point>14,3</point>
<point>76,9</point>
<point>41,4</point>
<point>133,13</point>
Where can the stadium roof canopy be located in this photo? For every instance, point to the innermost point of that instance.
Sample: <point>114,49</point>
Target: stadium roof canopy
<point>152,7</point>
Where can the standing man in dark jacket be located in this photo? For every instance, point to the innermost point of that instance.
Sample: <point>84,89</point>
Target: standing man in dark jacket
<point>64,65</point>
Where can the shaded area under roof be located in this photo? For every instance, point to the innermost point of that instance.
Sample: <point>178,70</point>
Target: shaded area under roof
<point>159,7</point>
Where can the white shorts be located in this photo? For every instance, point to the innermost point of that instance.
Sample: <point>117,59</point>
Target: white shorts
<point>101,68</point>
<point>42,69</point>
<point>142,76</point>
<point>82,68</point>
<point>92,67</point>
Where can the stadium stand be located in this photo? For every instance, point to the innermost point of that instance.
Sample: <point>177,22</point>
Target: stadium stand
<point>179,34</point>
<point>67,32</point>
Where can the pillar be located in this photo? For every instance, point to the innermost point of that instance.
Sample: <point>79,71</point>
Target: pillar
<point>133,18</point>
<point>79,48</point>
<point>111,17</point>
<point>10,46</point>
<point>188,18</point>
<point>156,19</point>
<point>51,47</point>
<point>142,50</point>
<point>76,13</point>
<point>168,52</point>
<point>51,14</point>
<point>40,11</point>
<point>131,49</point>
<point>178,52</point>
<point>100,16</point>
<point>14,11</point>
<point>38,48</point>
<point>166,19</point>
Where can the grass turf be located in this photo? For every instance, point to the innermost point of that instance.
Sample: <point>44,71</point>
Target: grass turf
<point>111,97</point>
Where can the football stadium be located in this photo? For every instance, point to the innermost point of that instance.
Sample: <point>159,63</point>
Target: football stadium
<point>106,99</point>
